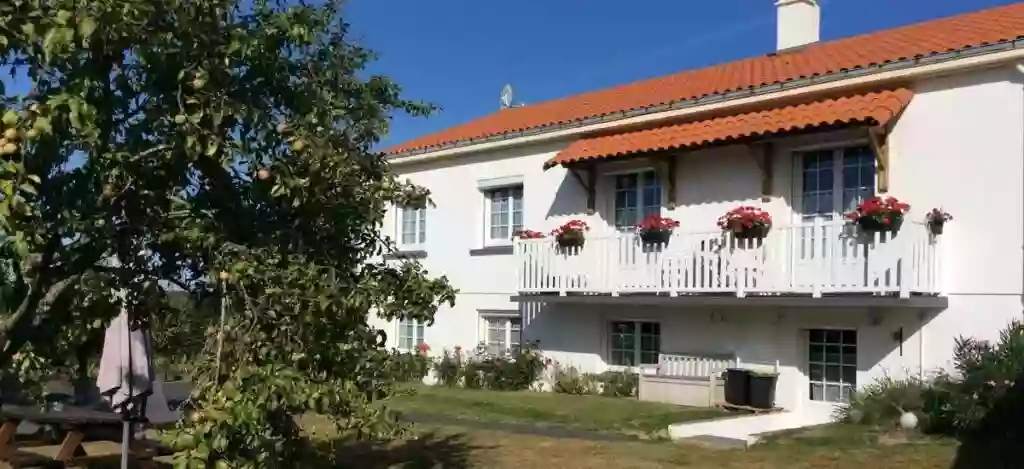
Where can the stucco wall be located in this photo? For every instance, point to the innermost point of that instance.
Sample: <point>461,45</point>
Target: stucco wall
<point>959,145</point>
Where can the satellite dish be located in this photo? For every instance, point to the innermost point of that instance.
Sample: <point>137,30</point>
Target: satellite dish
<point>506,97</point>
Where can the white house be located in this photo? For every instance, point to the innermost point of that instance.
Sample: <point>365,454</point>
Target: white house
<point>931,113</point>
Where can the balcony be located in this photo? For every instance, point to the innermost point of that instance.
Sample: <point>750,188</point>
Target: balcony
<point>812,259</point>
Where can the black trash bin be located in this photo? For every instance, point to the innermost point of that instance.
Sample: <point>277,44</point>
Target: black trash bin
<point>737,384</point>
<point>762,390</point>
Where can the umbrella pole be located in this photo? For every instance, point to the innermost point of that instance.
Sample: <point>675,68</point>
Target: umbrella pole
<point>126,430</point>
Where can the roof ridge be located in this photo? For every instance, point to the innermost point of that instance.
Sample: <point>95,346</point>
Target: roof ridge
<point>920,39</point>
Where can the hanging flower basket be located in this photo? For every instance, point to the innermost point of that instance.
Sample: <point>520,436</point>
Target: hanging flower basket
<point>879,214</point>
<point>746,222</point>
<point>936,220</point>
<point>656,230</point>
<point>571,234</point>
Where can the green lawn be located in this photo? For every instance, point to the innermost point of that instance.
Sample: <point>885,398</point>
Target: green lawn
<point>832,447</point>
<point>593,413</point>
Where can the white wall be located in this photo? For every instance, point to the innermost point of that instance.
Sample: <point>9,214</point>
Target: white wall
<point>755,335</point>
<point>959,145</point>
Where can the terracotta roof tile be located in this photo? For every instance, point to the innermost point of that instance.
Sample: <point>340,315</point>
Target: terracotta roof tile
<point>876,108</point>
<point>984,27</point>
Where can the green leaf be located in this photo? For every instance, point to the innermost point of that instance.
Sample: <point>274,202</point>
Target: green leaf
<point>63,16</point>
<point>86,26</point>
<point>28,188</point>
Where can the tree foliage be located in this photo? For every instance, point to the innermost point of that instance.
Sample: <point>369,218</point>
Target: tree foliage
<point>223,147</point>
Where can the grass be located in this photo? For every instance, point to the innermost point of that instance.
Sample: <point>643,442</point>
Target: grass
<point>590,413</point>
<point>837,447</point>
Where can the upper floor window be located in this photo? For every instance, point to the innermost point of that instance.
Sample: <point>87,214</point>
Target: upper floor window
<point>504,214</point>
<point>637,196</point>
<point>836,181</point>
<point>412,226</point>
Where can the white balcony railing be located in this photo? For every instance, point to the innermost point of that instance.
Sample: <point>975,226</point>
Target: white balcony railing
<point>814,258</point>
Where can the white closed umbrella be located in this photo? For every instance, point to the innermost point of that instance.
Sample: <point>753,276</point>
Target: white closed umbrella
<point>126,374</point>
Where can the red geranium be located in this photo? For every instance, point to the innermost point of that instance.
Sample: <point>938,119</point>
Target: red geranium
<point>528,234</point>
<point>657,223</point>
<point>744,217</point>
<point>424,348</point>
<point>575,226</point>
<point>881,209</point>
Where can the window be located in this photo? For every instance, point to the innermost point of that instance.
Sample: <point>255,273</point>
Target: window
<point>637,196</point>
<point>503,334</point>
<point>835,181</point>
<point>832,364</point>
<point>635,343</point>
<point>504,213</point>
<point>410,335</point>
<point>413,226</point>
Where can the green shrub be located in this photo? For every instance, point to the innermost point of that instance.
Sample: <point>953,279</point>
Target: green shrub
<point>619,383</point>
<point>410,367</point>
<point>571,381</point>
<point>884,401</point>
<point>950,404</point>
<point>473,376</point>
<point>449,369</point>
<point>986,374</point>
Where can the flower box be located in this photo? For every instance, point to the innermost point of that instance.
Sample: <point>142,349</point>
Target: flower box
<point>879,214</point>
<point>746,222</point>
<point>656,230</point>
<point>571,234</point>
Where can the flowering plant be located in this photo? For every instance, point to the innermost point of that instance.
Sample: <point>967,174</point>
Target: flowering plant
<point>657,223</point>
<point>424,348</point>
<point>746,222</point>
<point>570,234</point>
<point>938,216</point>
<point>880,213</point>
<point>577,226</point>
<point>528,234</point>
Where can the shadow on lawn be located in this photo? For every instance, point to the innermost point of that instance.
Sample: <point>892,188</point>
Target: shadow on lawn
<point>999,441</point>
<point>428,451</point>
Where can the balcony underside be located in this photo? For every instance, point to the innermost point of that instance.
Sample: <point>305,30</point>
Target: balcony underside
<point>843,300</point>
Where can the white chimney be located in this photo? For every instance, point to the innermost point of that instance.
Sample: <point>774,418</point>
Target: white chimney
<point>799,23</point>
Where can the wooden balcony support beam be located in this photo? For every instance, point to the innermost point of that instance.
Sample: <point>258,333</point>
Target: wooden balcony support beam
<point>880,144</point>
<point>668,175</point>
<point>588,182</point>
<point>764,155</point>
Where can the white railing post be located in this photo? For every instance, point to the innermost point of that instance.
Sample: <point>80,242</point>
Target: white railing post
<point>817,251</point>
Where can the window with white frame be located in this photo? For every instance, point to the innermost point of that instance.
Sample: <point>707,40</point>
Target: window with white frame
<point>410,335</point>
<point>503,334</point>
<point>412,226</point>
<point>637,196</point>
<point>835,181</point>
<point>832,364</point>
<point>635,343</point>
<point>504,213</point>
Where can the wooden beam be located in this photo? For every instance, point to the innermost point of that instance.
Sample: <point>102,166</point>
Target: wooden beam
<point>670,166</point>
<point>588,184</point>
<point>764,155</point>
<point>880,145</point>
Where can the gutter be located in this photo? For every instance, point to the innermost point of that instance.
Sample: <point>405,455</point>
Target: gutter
<point>937,64</point>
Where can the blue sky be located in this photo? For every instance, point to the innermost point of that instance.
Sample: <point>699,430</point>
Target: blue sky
<point>459,53</point>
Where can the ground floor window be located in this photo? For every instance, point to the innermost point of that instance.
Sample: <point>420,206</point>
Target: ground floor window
<point>503,334</point>
<point>635,343</point>
<point>410,335</point>
<point>832,364</point>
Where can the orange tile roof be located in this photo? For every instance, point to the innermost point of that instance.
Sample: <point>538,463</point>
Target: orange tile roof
<point>876,108</point>
<point>994,25</point>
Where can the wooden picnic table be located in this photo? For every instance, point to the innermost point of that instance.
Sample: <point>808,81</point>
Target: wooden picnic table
<point>74,422</point>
